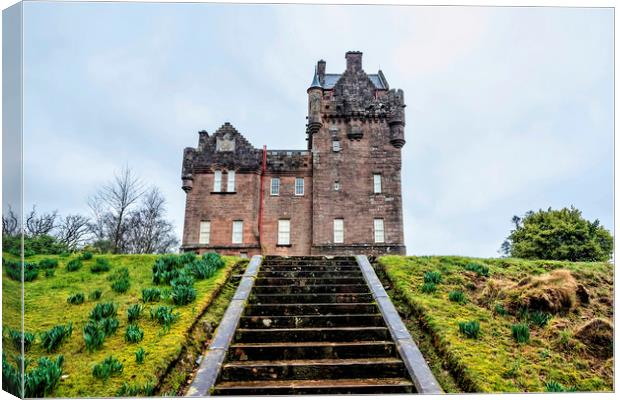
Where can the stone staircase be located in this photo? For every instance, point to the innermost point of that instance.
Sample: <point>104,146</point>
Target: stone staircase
<point>311,326</point>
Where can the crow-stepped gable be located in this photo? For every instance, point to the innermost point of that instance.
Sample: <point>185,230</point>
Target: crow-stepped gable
<point>340,196</point>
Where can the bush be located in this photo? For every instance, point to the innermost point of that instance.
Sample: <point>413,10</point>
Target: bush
<point>213,260</point>
<point>499,309</point>
<point>133,334</point>
<point>74,265</point>
<point>48,263</point>
<point>38,382</point>
<point>521,333</point>
<point>539,318</point>
<point>87,255</point>
<point>42,244</point>
<point>164,316</point>
<point>151,294</point>
<point>93,335</point>
<point>133,312</point>
<point>108,367</point>
<point>457,296</point>
<point>120,280</point>
<point>187,258</point>
<point>95,295</point>
<point>183,279</point>
<point>52,339</point>
<point>103,310</point>
<point>167,268</point>
<point>470,329</point>
<point>140,355</point>
<point>100,265</point>
<point>77,298</point>
<point>432,277</point>
<point>14,271</point>
<point>479,269</point>
<point>49,273</point>
<point>428,287</point>
<point>16,338</point>
<point>182,295</point>
<point>200,269</point>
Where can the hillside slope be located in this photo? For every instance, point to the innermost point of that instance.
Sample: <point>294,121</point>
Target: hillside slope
<point>567,308</point>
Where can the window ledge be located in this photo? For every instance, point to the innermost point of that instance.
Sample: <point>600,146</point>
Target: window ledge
<point>284,245</point>
<point>223,192</point>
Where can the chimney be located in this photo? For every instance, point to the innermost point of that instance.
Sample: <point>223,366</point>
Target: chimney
<point>320,69</point>
<point>354,61</point>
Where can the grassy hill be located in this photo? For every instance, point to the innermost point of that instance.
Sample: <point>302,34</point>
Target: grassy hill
<point>566,307</point>
<point>46,306</point>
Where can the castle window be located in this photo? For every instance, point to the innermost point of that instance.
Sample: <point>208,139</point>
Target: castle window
<point>339,230</point>
<point>237,232</point>
<point>217,181</point>
<point>299,186</point>
<point>377,183</point>
<point>231,181</point>
<point>337,186</point>
<point>275,186</point>
<point>205,232</point>
<point>336,145</point>
<point>284,232</point>
<point>379,231</point>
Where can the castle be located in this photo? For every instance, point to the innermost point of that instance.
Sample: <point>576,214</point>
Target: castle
<point>340,196</point>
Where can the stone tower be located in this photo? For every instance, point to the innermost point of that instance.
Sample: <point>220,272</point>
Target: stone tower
<point>355,132</point>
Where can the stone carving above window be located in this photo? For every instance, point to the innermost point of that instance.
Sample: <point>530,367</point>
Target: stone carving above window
<point>225,143</point>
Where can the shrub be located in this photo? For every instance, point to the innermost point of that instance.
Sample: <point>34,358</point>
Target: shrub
<point>457,296</point>
<point>95,295</point>
<point>200,269</point>
<point>133,312</point>
<point>50,273</point>
<point>151,294</point>
<point>213,260</point>
<point>52,339</point>
<point>432,277</point>
<point>16,338</point>
<point>164,316</point>
<point>48,263</point>
<point>11,377</point>
<point>479,269</point>
<point>182,295</point>
<point>14,271</point>
<point>109,325</point>
<point>133,333</point>
<point>87,255</point>
<point>183,279</point>
<point>120,280</point>
<point>74,265</point>
<point>186,258</point>
<point>103,310</point>
<point>428,287</point>
<point>38,382</point>
<point>470,329</point>
<point>166,268</point>
<point>140,354</point>
<point>521,333</point>
<point>77,298</point>
<point>108,367</point>
<point>100,265</point>
<point>93,335</point>
<point>539,318</point>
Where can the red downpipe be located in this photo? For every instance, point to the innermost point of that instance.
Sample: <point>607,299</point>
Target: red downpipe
<point>260,206</point>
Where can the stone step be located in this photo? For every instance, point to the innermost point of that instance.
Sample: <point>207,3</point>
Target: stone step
<point>311,350</point>
<point>337,334</point>
<point>311,309</point>
<point>303,298</point>
<point>310,274</point>
<point>308,321</point>
<point>278,281</point>
<point>310,268</point>
<point>315,387</point>
<point>328,288</point>
<point>348,368</point>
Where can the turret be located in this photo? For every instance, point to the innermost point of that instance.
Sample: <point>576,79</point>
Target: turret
<point>396,118</point>
<point>315,94</point>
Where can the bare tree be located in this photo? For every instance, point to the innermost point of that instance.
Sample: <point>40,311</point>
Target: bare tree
<point>113,204</point>
<point>10,223</point>
<point>40,224</point>
<point>73,231</point>
<point>148,230</point>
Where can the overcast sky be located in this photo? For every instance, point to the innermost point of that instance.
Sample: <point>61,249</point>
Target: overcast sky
<point>508,109</point>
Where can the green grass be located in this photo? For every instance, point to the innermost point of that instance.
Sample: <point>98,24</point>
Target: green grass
<point>487,364</point>
<point>46,306</point>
